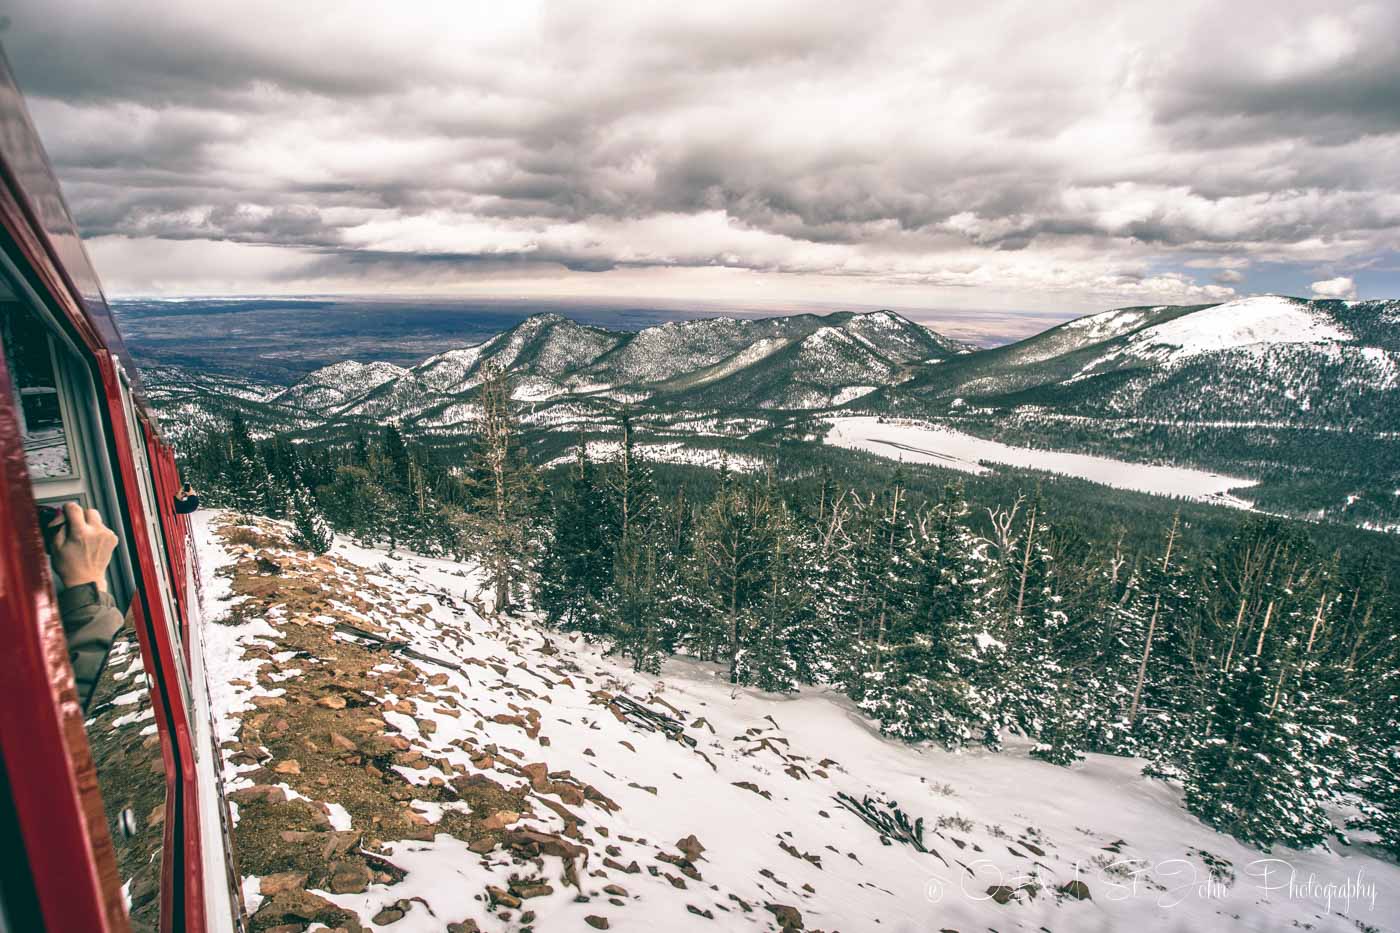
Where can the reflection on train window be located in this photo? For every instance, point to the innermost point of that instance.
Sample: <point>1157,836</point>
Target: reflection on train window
<point>61,436</point>
<point>131,774</point>
<point>29,357</point>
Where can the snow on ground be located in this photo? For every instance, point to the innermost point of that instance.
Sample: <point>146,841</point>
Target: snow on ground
<point>665,452</point>
<point>945,447</point>
<point>741,830</point>
<point>1265,319</point>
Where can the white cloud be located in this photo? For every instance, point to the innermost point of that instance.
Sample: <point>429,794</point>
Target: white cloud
<point>1340,287</point>
<point>569,145</point>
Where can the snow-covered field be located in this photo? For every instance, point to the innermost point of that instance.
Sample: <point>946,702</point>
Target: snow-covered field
<point>676,837</point>
<point>941,446</point>
<point>668,452</point>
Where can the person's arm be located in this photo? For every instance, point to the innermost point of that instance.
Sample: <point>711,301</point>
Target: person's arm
<point>186,502</point>
<point>91,621</point>
<point>81,550</point>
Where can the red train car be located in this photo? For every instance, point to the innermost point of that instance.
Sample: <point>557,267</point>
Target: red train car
<point>111,817</point>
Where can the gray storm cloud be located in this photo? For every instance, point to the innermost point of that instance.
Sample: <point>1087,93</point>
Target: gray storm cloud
<point>1015,154</point>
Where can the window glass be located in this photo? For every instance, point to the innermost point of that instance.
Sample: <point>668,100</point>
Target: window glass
<point>121,731</point>
<point>55,399</point>
<point>29,357</point>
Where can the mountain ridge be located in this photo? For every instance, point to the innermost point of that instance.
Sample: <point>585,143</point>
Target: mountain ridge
<point>1301,395</point>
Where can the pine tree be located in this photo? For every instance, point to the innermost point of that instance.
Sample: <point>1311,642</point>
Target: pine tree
<point>310,530</point>
<point>929,685</point>
<point>577,565</point>
<point>732,557</point>
<point>884,569</point>
<point>782,642</point>
<point>504,490</point>
<point>1378,784</point>
<point>637,602</point>
<point>355,505</point>
<point>1033,621</point>
<point>1248,777</point>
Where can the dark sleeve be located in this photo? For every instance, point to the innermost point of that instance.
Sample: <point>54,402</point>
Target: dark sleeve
<point>91,620</point>
<point>186,505</point>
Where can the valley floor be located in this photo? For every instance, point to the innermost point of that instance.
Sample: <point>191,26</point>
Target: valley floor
<point>942,446</point>
<point>508,778</point>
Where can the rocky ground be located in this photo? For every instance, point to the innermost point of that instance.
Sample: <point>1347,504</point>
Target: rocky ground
<point>397,760</point>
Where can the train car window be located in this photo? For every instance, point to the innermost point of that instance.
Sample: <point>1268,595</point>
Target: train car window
<point>66,452</point>
<point>29,354</point>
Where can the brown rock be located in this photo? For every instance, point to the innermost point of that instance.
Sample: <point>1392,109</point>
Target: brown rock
<point>258,792</point>
<point>789,918</point>
<point>300,908</point>
<point>1076,889</point>
<point>504,898</point>
<point>527,891</point>
<point>547,843</point>
<point>341,742</point>
<point>596,922</point>
<point>483,845</point>
<point>691,846</point>
<point>348,877</point>
<point>616,890</point>
<point>1001,893</point>
<point>392,913</point>
<point>274,884</point>
<point>499,820</point>
<point>331,701</point>
<point>290,766</point>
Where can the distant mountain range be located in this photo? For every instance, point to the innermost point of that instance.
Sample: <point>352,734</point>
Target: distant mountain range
<point>1266,360</point>
<point>1304,395</point>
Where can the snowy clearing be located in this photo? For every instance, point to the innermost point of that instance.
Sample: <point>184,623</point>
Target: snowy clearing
<point>732,822</point>
<point>1266,320</point>
<point>945,447</point>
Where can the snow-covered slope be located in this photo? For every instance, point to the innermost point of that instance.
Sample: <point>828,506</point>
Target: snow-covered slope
<point>1255,358</point>
<point>332,386</point>
<point>1267,320</point>
<point>399,761</point>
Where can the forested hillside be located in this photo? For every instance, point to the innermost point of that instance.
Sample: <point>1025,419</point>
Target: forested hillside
<point>1250,658</point>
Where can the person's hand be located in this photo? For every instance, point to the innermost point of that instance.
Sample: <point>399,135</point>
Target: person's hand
<point>82,547</point>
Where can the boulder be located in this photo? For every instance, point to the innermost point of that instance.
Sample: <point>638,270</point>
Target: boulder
<point>789,918</point>
<point>691,846</point>
<point>348,877</point>
<point>265,793</point>
<point>280,882</point>
<point>1076,889</point>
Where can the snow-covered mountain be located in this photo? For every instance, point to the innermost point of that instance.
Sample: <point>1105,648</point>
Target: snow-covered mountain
<point>1267,358</point>
<point>397,758</point>
<point>798,362</point>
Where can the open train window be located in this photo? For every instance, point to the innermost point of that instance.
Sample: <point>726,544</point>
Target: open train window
<point>29,357</point>
<point>55,392</point>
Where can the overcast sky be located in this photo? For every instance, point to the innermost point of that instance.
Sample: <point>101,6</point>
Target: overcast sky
<point>1030,156</point>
